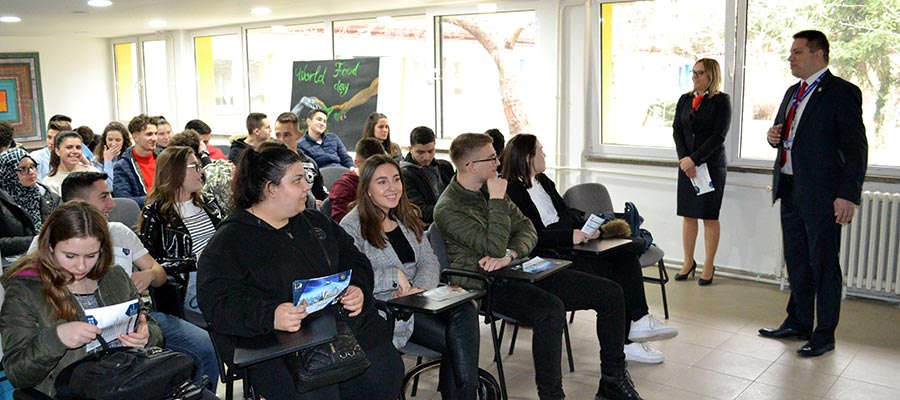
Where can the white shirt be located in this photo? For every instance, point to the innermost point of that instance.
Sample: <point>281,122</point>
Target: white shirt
<point>788,167</point>
<point>542,201</point>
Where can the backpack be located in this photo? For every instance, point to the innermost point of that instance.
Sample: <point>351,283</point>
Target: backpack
<point>634,219</point>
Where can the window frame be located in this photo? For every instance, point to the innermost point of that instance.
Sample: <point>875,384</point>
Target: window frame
<point>138,41</point>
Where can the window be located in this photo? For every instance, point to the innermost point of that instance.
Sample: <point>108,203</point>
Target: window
<point>486,62</point>
<point>647,51</point>
<point>271,52</point>
<point>864,50</point>
<point>156,78</point>
<point>405,78</point>
<point>220,82</point>
<point>128,94</point>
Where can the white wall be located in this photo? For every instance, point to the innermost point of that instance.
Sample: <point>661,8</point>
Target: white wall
<point>76,76</point>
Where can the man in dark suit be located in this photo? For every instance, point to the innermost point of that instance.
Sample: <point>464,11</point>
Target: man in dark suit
<point>818,176</point>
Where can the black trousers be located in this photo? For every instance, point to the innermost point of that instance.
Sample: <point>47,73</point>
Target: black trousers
<point>622,266</point>
<point>543,305</point>
<point>454,333</point>
<point>380,382</point>
<point>811,245</point>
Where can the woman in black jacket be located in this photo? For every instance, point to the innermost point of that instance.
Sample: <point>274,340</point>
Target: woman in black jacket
<point>24,202</point>
<point>176,225</point>
<point>247,270</point>
<point>557,226</point>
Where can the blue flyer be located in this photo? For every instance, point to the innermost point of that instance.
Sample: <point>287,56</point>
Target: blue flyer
<point>321,292</point>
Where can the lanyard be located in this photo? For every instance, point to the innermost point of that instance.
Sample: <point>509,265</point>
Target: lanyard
<point>795,102</point>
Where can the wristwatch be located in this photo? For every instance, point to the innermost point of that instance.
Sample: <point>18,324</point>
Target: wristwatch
<point>509,253</point>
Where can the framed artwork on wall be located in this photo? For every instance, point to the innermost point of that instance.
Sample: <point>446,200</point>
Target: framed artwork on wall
<point>21,101</point>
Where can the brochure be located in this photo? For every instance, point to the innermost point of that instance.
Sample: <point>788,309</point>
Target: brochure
<point>592,224</point>
<point>703,182</point>
<point>321,292</point>
<point>113,320</point>
<point>535,265</point>
<point>442,293</point>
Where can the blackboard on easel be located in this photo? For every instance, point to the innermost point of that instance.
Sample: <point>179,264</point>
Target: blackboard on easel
<point>346,89</point>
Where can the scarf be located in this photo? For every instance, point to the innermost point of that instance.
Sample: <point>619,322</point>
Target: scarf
<point>29,198</point>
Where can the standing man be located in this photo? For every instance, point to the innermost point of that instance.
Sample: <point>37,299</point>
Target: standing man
<point>818,176</point>
<point>484,231</point>
<point>258,131</point>
<point>134,172</point>
<point>424,177</point>
<point>326,148</point>
<point>287,131</point>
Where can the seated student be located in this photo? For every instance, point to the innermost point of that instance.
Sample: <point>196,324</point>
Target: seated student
<point>6,136</point>
<point>115,138</point>
<point>217,174</point>
<point>24,203</point>
<point>58,123</point>
<point>287,131</point>
<point>483,230</point>
<point>177,224</point>
<point>133,173</point>
<point>131,255</point>
<point>163,134</point>
<point>343,191</point>
<point>388,230</point>
<point>205,133</point>
<point>557,225</point>
<point>88,138</point>
<point>326,148</point>
<point>377,126</point>
<point>48,291</point>
<point>424,177</point>
<point>66,158</point>
<point>499,143</point>
<point>245,290</point>
<point>258,131</point>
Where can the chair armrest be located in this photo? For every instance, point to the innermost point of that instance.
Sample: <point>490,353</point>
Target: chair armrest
<point>448,272</point>
<point>392,312</point>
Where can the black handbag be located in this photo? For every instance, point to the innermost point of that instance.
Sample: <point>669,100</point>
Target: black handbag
<point>124,373</point>
<point>328,363</point>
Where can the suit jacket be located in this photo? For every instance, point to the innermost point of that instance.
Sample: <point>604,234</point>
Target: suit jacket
<point>702,136</point>
<point>830,151</point>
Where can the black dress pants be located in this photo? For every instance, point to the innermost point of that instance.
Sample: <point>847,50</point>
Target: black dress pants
<point>454,333</point>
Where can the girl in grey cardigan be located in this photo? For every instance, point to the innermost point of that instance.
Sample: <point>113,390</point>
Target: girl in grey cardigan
<point>388,230</point>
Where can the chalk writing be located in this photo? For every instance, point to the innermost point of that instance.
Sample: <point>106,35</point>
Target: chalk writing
<point>316,77</point>
<point>340,70</point>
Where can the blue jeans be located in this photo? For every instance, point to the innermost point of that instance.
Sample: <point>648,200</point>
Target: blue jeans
<point>187,338</point>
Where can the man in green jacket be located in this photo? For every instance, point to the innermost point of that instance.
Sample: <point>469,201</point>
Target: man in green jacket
<point>483,230</point>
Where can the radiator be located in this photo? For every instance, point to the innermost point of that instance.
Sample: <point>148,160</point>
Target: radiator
<point>870,245</point>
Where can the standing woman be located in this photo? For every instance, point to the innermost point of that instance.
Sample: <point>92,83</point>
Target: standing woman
<point>176,225</point>
<point>24,203</point>
<point>65,159</point>
<point>702,119</point>
<point>115,138</point>
<point>43,319</point>
<point>270,240</point>
<point>377,126</point>
<point>389,231</point>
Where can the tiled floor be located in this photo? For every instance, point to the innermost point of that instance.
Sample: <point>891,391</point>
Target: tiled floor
<point>718,354</point>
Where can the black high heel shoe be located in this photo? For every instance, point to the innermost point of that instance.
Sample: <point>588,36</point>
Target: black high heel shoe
<point>692,272</point>
<point>705,282</point>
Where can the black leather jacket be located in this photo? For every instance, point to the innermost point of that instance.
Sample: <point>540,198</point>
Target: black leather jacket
<point>16,227</point>
<point>168,239</point>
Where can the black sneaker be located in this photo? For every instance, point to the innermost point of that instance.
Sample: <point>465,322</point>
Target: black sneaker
<point>617,387</point>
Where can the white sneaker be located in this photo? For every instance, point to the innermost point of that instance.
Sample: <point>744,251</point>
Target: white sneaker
<point>648,329</point>
<point>643,353</point>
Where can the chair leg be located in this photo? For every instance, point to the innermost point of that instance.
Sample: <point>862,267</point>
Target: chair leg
<point>416,379</point>
<point>663,278</point>
<point>229,389</point>
<point>500,339</point>
<point>497,358</point>
<point>572,316</point>
<point>512,341</point>
<point>568,347</point>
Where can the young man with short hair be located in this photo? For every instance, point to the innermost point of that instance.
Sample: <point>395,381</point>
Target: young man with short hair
<point>343,191</point>
<point>484,231</point>
<point>258,131</point>
<point>424,177</point>
<point>6,135</point>
<point>287,131</point>
<point>130,254</point>
<point>326,148</point>
<point>134,172</point>
<point>163,134</point>
<point>205,133</point>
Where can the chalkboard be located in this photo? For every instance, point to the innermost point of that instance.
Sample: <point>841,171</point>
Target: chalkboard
<point>346,89</point>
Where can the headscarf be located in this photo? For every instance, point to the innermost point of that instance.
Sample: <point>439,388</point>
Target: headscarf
<point>29,198</point>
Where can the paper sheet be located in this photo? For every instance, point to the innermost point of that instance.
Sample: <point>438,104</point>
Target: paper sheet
<point>702,182</point>
<point>592,224</point>
<point>442,293</point>
<point>321,292</point>
<point>113,320</point>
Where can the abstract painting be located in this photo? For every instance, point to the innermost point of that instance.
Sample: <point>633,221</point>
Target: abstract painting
<point>21,101</point>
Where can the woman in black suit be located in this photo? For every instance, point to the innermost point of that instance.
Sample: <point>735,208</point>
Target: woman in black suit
<point>702,118</point>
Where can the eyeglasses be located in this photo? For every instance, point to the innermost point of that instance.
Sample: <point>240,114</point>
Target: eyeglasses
<point>698,73</point>
<point>26,170</point>
<point>195,167</point>
<point>490,159</point>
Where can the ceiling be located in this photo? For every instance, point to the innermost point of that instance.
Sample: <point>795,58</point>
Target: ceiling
<point>131,17</point>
